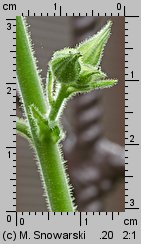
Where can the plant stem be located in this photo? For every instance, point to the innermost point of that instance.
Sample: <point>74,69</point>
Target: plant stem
<point>27,72</point>
<point>49,88</point>
<point>22,128</point>
<point>48,153</point>
<point>57,107</point>
<point>55,178</point>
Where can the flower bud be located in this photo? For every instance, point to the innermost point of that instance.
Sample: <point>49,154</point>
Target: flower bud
<point>92,48</point>
<point>65,65</point>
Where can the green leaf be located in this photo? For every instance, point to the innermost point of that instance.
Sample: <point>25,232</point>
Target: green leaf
<point>102,84</point>
<point>46,130</point>
<point>92,86</point>
<point>92,49</point>
<point>40,123</point>
<point>89,74</point>
<point>56,134</point>
<point>40,119</point>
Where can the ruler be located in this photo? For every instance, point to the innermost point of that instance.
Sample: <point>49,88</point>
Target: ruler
<point>87,226</point>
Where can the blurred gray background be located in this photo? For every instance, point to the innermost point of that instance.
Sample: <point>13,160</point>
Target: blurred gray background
<point>52,33</point>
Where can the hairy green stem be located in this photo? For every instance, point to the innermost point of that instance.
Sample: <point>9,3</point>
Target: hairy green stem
<point>27,72</point>
<point>22,128</point>
<point>58,104</point>
<point>48,152</point>
<point>49,88</point>
<point>55,178</point>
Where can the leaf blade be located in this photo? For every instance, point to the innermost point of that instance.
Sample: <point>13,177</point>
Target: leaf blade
<point>103,84</point>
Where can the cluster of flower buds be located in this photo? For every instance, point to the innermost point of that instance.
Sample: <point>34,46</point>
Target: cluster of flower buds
<point>78,68</point>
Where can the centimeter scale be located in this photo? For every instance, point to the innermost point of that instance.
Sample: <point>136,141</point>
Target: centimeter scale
<point>87,226</point>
